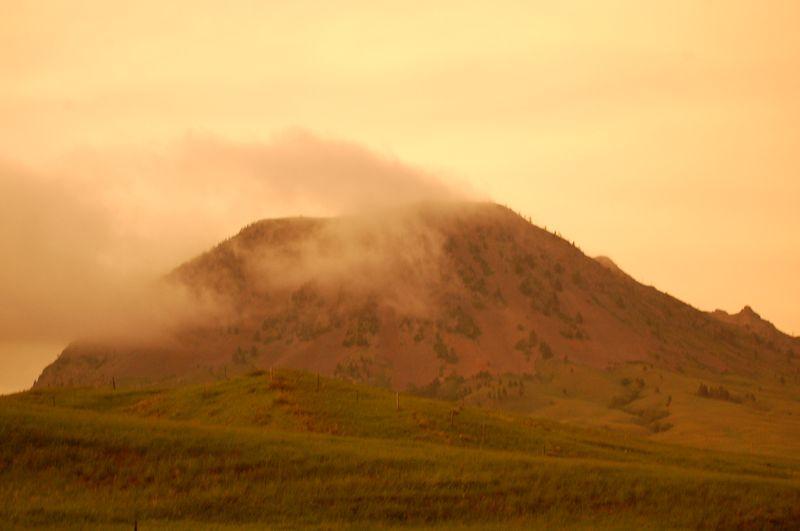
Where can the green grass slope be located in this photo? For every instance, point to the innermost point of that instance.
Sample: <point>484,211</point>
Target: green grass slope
<point>291,450</point>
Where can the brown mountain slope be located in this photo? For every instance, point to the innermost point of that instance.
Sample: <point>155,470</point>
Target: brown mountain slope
<point>406,296</point>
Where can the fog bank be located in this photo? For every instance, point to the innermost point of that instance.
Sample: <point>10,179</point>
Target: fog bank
<point>85,238</point>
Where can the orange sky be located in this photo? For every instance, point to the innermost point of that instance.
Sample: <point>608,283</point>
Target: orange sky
<point>663,134</point>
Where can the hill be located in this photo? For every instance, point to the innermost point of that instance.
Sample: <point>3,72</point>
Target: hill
<point>470,302</point>
<point>411,295</point>
<point>289,449</point>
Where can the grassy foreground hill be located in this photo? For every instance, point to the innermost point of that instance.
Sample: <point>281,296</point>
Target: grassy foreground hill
<point>288,449</point>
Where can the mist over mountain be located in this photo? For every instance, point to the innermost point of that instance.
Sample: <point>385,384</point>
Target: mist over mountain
<point>85,236</point>
<point>408,295</point>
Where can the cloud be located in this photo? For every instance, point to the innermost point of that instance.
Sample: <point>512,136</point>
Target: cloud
<point>395,254</point>
<point>84,240</point>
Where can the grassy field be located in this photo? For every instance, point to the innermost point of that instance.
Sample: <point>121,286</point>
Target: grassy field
<point>655,403</point>
<point>292,451</point>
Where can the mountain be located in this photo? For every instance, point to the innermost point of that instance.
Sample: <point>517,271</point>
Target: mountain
<point>407,296</point>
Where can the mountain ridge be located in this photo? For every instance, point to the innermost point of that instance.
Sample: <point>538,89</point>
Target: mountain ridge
<point>411,295</point>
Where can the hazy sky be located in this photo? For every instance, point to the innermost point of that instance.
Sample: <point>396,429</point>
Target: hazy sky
<point>662,134</point>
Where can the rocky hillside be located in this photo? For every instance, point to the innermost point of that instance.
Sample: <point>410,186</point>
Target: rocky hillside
<point>405,297</point>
